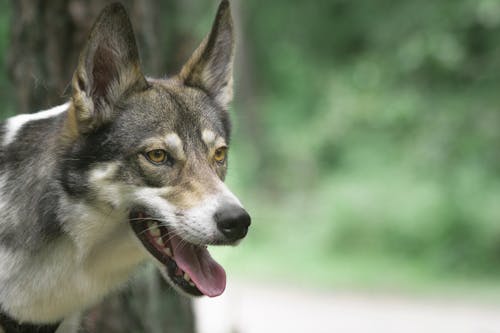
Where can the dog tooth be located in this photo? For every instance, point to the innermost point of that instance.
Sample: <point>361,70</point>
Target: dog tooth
<point>167,251</point>
<point>191,283</point>
<point>155,231</point>
<point>186,277</point>
<point>159,240</point>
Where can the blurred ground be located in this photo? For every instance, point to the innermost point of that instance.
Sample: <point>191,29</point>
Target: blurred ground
<point>252,308</point>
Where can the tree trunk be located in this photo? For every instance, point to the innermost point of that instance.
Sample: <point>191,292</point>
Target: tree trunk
<point>46,38</point>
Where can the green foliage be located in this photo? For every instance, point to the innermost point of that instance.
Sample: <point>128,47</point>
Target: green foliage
<point>381,126</point>
<point>6,100</point>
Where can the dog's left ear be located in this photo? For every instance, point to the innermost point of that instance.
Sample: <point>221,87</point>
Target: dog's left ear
<point>210,68</point>
<point>108,69</point>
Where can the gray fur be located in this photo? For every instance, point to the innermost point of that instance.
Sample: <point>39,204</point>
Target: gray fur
<point>68,182</point>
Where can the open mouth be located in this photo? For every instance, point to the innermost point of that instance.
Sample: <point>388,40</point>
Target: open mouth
<point>189,267</point>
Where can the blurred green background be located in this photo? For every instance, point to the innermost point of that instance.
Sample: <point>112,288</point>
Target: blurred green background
<point>374,156</point>
<point>366,142</point>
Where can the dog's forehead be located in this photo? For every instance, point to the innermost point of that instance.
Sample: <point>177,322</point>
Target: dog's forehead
<point>185,111</point>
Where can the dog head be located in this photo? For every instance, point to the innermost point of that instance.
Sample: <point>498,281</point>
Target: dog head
<point>157,148</point>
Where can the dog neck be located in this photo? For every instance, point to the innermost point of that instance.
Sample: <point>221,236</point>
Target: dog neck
<point>11,325</point>
<point>72,272</point>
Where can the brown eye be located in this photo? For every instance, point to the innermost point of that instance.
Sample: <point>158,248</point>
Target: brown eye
<point>220,155</point>
<point>157,156</point>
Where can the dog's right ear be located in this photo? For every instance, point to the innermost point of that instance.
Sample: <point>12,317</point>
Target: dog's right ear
<point>108,68</point>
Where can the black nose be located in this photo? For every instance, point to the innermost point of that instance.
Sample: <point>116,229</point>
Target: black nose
<point>233,221</point>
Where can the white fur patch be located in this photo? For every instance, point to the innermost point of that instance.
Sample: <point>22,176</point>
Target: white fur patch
<point>208,137</point>
<point>14,124</point>
<point>198,225</point>
<point>173,141</point>
<point>211,139</point>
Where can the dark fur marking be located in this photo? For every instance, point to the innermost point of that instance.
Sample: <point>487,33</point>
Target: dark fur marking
<point>10,325</point>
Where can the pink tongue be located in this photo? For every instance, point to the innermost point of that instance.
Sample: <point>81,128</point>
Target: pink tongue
<point>206,273</point>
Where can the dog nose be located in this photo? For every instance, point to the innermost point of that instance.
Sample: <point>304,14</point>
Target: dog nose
<point>233,221</point>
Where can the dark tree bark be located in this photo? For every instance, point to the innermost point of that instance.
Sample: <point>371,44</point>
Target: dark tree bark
<point>46,38</point>
<point>39,55</point>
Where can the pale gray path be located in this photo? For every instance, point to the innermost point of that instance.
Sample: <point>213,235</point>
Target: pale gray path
<point>262,308</point>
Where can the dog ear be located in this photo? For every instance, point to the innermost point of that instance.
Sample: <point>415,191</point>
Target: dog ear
<point>210,68</point>
<point>108,68</point>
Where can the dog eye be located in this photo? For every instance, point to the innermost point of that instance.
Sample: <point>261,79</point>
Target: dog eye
<point>157,156</point>
<point>220,155</point>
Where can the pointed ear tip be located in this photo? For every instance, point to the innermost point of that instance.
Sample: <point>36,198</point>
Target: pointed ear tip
<point>225,5</point>
<point>112,12</point>
<point>112,19</point>
<point>224,15</point>
<point>114,7</point>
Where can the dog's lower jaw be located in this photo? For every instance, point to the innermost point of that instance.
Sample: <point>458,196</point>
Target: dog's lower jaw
<point>60,281</point>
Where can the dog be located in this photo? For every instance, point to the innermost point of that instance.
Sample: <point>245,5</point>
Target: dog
<point>130,169</point>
